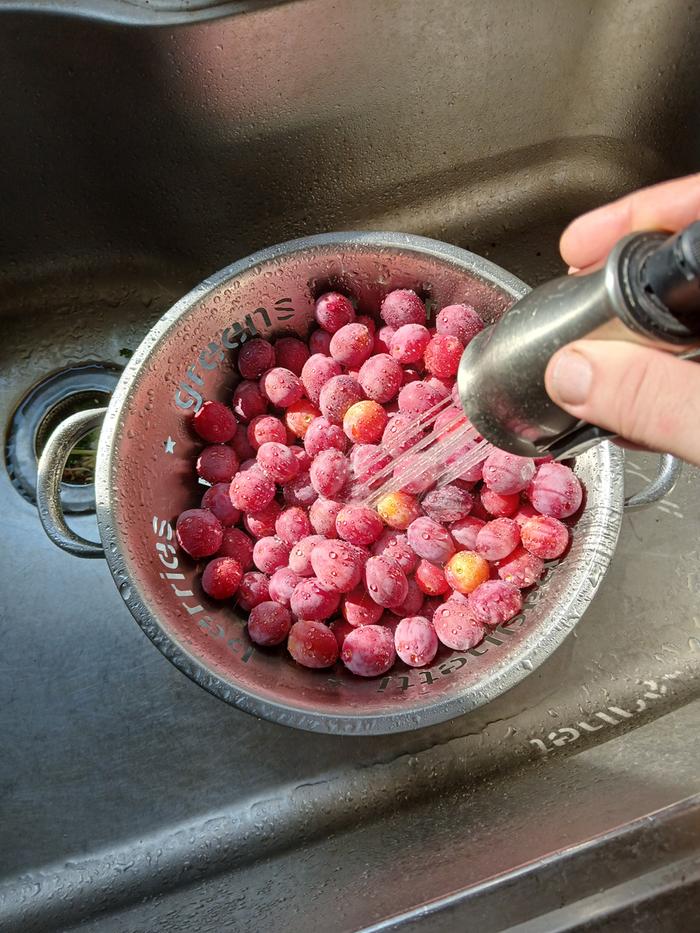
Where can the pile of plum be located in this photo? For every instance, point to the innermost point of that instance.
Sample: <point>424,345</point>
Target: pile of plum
<point>281,537</point>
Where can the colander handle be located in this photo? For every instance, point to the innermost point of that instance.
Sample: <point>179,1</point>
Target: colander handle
<point>661,485</point>
<point>59,445</point>
<point>48,486</point>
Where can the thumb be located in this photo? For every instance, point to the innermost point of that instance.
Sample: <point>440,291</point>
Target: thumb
<point>643,395</point>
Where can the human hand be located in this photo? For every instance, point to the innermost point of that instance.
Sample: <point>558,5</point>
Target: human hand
<point>648,397</point>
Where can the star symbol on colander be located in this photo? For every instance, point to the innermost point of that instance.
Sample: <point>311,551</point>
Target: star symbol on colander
<point>169,445</point>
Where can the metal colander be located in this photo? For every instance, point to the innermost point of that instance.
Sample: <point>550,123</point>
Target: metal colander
<point>145,478</point>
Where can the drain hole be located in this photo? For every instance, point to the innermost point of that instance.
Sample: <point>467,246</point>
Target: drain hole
<point>40,413</point>
<point>80,466</point>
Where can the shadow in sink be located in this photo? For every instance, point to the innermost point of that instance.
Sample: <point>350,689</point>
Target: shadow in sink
<point>513,207</point>
<point>207,142</point>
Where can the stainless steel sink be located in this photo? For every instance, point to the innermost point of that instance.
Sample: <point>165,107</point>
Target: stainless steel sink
<point>138,158</point>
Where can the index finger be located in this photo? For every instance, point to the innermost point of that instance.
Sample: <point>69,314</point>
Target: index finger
<point>670,205</point>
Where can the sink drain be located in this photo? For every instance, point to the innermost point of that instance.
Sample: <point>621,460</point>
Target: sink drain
<point>36,417</point>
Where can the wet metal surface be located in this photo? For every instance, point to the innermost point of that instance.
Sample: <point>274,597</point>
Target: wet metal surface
<point>491,850</point>
<point>119,777</point>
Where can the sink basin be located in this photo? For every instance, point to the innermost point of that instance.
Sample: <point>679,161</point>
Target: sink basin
<point>138,158</point>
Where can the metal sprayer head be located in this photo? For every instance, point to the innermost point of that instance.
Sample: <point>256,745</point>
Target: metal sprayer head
<point>648,292</point>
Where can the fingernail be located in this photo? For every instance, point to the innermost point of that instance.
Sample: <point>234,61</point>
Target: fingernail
<point>571,377</point>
